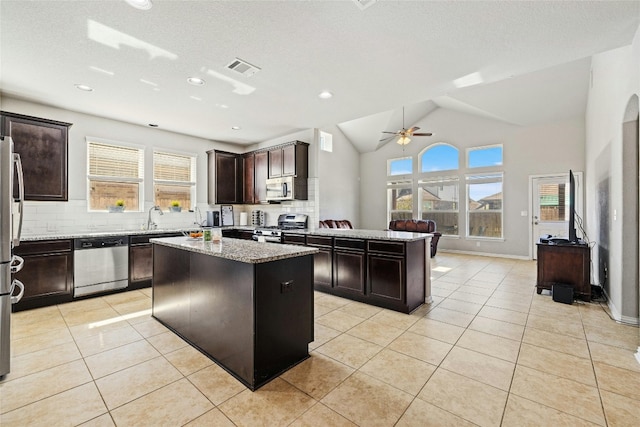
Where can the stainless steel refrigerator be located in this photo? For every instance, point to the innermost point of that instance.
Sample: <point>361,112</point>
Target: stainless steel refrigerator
<point>11,290</point>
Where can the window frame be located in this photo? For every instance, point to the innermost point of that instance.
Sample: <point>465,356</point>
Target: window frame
<point>439,171</point>
<point>399,184</point>
<point>481,178</point>
<point>484,147</point>
<point>442,180</point>
<point>397,175</point>
<point>140,180</point>
<point>192,184</point>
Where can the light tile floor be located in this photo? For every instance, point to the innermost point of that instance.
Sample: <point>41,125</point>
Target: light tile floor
<point>489,351</point>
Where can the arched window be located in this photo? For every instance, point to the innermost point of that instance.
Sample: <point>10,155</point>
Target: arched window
<point>439,157</point>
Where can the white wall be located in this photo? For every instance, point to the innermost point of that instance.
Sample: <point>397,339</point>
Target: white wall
<point>57,217</point>
<point>544,149</point>
<point>339,183</point>
<point>616,78</point>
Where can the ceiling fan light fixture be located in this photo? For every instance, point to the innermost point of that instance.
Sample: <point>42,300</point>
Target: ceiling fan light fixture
<point>403,140</point>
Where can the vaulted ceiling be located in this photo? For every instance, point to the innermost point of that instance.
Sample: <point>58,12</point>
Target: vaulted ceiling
<point>520,62</point>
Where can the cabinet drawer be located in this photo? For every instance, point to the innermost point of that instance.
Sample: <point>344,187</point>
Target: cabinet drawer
<point>44,247</point>
<point>353,244</point>
<point>395,248</point>
<point>319,241</point>
<point>294,239</point>
<point>144,238</point>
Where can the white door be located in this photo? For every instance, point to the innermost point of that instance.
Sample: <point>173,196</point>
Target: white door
<point>550,207</point>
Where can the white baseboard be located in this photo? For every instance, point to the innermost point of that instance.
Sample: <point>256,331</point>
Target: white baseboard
<point>617,316</point>
<point>453,251</point>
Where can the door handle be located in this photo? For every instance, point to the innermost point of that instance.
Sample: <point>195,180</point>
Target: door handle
<point>16,298</point>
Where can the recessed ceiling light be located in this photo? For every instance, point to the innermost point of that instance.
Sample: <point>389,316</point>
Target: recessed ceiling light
<point>196,98</point>
<point>84,88</point>
<point>153,125</point>
<point>140,4</point>
<point>235,127</point>
<point>195,81</point>
<point>325,94</point>
<point>223,106</point>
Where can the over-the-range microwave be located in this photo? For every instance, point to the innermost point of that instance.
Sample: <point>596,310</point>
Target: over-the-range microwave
<point>281,189</point>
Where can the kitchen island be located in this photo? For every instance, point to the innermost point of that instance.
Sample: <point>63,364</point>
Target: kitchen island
<point>246,305</point>
<point>390,269</point>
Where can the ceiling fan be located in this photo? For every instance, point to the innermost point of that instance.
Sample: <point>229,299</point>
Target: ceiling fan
<point>404,134</point>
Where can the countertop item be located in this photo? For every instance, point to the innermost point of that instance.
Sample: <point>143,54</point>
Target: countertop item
<point>246,251</point>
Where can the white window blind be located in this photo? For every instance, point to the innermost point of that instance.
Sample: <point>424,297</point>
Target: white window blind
<point>174,177</point>
<point>114,173</point>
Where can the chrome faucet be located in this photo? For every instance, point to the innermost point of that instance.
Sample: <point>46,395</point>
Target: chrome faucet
<point>150,224</point>
<point>199,222</point>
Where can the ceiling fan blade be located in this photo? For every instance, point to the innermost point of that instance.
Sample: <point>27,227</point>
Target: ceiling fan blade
<point>412,130</point>
<point>387,138</point>
<point>423,134</point>
<point>395,133</point>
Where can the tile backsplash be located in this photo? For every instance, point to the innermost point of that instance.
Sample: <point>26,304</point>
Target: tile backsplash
<point>42,218</point>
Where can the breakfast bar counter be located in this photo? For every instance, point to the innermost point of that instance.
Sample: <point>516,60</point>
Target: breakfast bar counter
<point>246,305</point>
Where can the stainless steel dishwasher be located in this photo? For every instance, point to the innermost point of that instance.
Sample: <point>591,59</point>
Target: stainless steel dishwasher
<point>100,264</point>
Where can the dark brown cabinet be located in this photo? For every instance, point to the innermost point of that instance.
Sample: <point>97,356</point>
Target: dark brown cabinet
<point>261,173</point>
<point>275,163</point>
<point>291,159</point>
<point>349,265</point>
<point>141,259</point>
<point>47,273</point>
<point>226,170</point>
<point>567,264</point>
<point>322,261</point>
<point>248,173</point>
<point>43,147</point>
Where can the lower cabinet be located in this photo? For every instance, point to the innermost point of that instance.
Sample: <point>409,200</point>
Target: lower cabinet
<point>47,273</point>
<point>389,274</point>
<point>348,271</point>
<point>141,259</point>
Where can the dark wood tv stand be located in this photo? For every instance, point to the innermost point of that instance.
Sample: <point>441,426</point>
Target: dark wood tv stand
<point>565,263</point>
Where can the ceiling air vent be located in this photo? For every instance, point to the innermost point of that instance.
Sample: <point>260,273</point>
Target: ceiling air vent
<point>243,67</point>
<point>363,4</point>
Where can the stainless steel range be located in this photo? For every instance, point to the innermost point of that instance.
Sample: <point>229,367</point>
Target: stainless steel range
<point>285,222</point>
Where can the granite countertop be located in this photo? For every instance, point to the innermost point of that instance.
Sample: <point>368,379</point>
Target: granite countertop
<point>402,236</point>
<point>89,233</point>
<point>246,251</point>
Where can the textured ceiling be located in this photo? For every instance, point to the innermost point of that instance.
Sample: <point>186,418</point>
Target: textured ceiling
<point>375,60</point>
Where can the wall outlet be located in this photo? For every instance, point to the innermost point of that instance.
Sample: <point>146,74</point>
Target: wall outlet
<point>478,244</point>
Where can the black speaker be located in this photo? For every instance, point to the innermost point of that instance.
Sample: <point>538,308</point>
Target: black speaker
<point>562,292</point>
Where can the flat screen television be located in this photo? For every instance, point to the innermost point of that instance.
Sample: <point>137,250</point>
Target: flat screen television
<point>573,238</point>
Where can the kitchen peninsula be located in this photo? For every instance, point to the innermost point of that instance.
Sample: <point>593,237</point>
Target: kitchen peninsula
<point>390,269</point>
<point>247,305</point>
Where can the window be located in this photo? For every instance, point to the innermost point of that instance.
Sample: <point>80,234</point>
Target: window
<point>439,157</point>
<point>399,200</point>
<point>174,177</point>
<point>114,172</point>
<point>485,156</point>
<point>402,166</point>
<point>484,205</point>
<point>439,201</point>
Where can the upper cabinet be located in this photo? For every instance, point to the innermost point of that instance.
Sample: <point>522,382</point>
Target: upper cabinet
<point>226,170</point>
<point>248,173</point>
<point>43,148</point>
<point>261,173</point>
<point>291,159</point>
<point>242,178</point>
